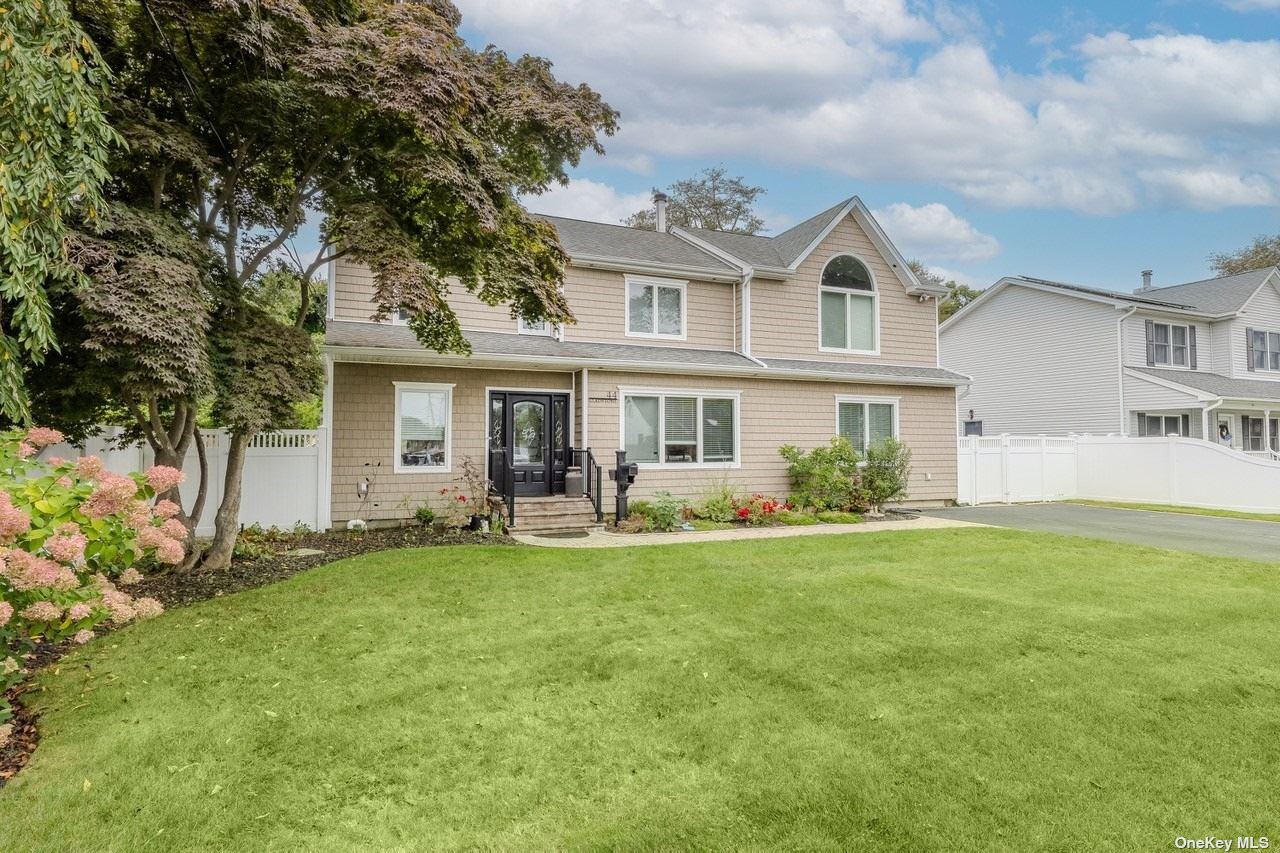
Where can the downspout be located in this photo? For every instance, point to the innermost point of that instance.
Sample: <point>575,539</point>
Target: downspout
<point>586,405</point>
<point>1124,421</point>
<point>746,320</point>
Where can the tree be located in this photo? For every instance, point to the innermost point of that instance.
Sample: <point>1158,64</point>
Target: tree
<point>245,117</point>
<point>711,199</point>
<point>958,295</point>
<point>1264,251</point>
<point>54,143</point>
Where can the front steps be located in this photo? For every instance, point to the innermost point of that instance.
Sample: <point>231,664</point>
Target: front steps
<point>553,515</point>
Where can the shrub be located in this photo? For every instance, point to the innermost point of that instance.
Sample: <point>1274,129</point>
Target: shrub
<point>70,532</point>
<point>791,518</point>
<point>832,516</point>
<point>719,503</point>
<point>458,507</point>
<point>425,515</point>
<point>884,478</point>
<point>635,524</point>
<point>708,524</point>
<point>667,511</point>
<point>825,477</point>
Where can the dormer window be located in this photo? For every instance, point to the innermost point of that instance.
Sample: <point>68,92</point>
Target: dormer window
<point>848,307</point>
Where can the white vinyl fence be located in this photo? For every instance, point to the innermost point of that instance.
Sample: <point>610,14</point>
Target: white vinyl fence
<point>286,475</point>
<point>1184,471</point>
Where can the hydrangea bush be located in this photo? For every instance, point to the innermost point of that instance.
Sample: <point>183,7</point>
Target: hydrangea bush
<point>73,537</point>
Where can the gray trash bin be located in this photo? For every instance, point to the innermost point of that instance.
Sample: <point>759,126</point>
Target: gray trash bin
<point>573,482</point>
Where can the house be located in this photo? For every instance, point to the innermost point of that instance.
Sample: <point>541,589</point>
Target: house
<point>1188,359</point>
<point>697,352</point>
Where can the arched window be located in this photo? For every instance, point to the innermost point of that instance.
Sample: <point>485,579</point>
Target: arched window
<point>848,306</point>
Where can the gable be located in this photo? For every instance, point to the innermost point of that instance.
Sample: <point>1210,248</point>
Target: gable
<point>848,237</point>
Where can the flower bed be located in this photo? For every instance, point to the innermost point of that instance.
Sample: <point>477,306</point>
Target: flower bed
<point>721,508</point>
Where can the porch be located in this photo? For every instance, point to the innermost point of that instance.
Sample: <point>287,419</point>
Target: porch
<point>1242,414</point>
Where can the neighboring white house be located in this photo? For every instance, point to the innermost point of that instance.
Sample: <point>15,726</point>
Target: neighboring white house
<point>1054,358</point>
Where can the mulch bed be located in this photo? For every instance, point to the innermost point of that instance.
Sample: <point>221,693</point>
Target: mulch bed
<point>271,562</point>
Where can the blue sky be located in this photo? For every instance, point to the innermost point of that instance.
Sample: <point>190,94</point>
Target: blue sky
<point>1081,141</point>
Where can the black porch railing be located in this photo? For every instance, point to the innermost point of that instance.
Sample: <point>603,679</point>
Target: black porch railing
<point>592,477</point>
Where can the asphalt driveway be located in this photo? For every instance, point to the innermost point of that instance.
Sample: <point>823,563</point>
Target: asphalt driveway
<point>1201,534</point>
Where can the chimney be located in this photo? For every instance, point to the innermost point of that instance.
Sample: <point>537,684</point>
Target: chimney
<point>660,202</point>
<point>1146,282</point>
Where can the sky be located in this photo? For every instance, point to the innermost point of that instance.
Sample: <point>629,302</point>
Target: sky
<point>1081,141</point>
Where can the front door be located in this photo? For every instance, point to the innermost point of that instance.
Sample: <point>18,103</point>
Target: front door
<point>533,430</point>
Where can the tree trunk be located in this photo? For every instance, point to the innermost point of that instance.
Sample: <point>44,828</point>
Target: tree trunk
<point>192,519</point>
<point>227,524</point>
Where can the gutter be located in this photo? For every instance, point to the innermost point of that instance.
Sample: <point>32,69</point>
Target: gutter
<point>1124,420</point>
<point>652,268</point>
<point>384,355</point>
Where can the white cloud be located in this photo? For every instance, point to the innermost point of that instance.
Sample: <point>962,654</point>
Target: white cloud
<point>933,231</point>
<point>828,84</point>
<point>948,274</point>
<point>590,200</point>
<point>1252,5</point>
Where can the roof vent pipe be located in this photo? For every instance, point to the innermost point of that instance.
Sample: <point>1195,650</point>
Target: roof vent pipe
<point>1146,281</point>
<point>660,202</point>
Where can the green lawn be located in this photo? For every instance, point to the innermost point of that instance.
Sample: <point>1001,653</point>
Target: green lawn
<point>1184,510</point>
<point>956,689</point>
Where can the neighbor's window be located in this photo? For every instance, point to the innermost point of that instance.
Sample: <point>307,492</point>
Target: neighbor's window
<point>680,428</point>
<point>422,426</point>
<point>1169,344</point>
<point>865,421</point>
<point>655,308</point>
<point>1264,350</point>
<point>847,305</point>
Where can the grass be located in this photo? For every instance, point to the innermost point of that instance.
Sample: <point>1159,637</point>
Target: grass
<point>955,689</point>
<point>1184,510</point>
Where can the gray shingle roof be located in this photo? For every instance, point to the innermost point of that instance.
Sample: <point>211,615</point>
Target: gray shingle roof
<point>393,338</point>
<point>1218,385</point>
<point>1109,294</point>
<point>1225,295</point>
<point>581,238</point>
<point>797,365</point>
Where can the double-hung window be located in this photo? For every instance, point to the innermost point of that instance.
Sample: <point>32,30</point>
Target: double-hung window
<point>1169,344</point>
<point>680,428</point>
<point>422,427</point>
<point>847,307</point>
<point>655,308</point>
<point>866,420</point>
<point>1264,349</point>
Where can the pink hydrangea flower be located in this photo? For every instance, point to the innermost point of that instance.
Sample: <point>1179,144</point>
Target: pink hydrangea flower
<point>174,529</point>
<point>41,611</point>
<point>26,451</point>
<point>137,514</point>
<point>83,636</point>
<point>67,547</point>
<point>119,605</point>
<point>162,478</point>
<point>27,571</point>
<point>170,552</point>
<point>130,576</point>
<point>89,467</point>
<point>113,494</point>
<point>64,482</point>
<point>147,608</point>
<point>13,521</point>
<point>166,509</point>
<point>83,610</point>
<point>43,436</point>
<point>6,613</point>
<point>55,461</point>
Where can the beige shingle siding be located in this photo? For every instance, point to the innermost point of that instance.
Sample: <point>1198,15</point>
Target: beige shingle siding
<point>784,314</point>
<point>596,297</point>
<point>1041,362</point>
<point>774,413</point>
<point>364,431</point>
<point>598,301</point>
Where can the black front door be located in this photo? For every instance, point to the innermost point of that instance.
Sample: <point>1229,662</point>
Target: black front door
<point>533,430</point>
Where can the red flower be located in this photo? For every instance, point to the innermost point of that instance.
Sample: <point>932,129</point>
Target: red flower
<point>462,498</point>
<point>744,512</point>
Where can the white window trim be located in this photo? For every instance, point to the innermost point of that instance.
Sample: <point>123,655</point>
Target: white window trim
<point>400,388</point>
<point>548,329</point>
<point>1186,365</point>
<point>397,319</point>
<point>873,295</point>
<point>700,394</point>
<point>1266,368</point>
<point>649,281</point>
<point>896,402</point>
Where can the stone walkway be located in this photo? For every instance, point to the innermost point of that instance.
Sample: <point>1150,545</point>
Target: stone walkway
<point>604,539</point>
